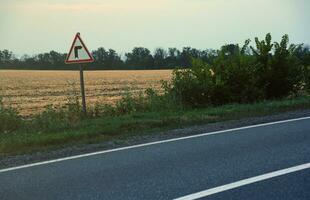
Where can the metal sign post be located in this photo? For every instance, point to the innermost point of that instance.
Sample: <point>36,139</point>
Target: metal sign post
<point>82,89</point>
<point>79,54</point>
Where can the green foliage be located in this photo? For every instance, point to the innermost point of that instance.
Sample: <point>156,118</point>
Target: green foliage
<point>107,58</point>
<point>306,74</point>
<point>9,119</point>
<point>280,72</point>
<point>52,119</point>
<point>149,101</point>
<point>139,57</point>
<point>190,86</point>
<point>230,79</point>
<point>55,119</point>
<point>237,76</point>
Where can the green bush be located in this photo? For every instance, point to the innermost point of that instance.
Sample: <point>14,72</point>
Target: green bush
<point>235,73</point>
<point>230,79</point>
<point>192,86</point>
<point>59,118</point>
<point>149,101</point>
<point>9,119</point>
<point>239,76</point>
<point>278,69</point>
<point>49,119</point>
<point>54,119</point>
<point>306,73</point>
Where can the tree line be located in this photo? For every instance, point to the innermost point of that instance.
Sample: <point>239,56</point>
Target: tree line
<point>138,58</point>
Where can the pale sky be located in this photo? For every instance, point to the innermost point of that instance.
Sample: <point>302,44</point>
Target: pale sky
<point>36,26</point>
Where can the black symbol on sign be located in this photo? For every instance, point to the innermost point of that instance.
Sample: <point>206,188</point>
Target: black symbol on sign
<point>76,53</point>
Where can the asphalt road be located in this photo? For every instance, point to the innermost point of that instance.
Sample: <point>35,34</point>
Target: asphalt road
<point>177,168</point>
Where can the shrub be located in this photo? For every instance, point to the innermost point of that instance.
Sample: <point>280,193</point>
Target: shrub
<point>231,79</point>
<point>239,77</point>
<point>50,119</point>
<point>101,110</point>
<point>306,73</point>
<point>9,118</point>
<point>59,118</point>
<point>279,73</point>
<point>128,103</point>
<point>192,86</point>
<point>236,73</point>
<point>149,101</point>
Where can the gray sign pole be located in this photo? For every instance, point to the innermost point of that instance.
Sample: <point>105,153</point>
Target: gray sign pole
<point>82,89</point>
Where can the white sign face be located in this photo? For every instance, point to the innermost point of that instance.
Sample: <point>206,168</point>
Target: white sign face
<point>78,52</point>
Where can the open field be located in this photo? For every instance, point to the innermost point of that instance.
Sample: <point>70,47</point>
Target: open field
<point>32,91</point>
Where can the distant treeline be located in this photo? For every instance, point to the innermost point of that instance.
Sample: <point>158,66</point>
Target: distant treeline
<point>138,58</point>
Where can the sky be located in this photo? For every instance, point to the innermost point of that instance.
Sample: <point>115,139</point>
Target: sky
<point>36,26</point>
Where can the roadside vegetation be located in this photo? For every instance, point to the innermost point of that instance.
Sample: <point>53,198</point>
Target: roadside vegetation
<point>245,81</point>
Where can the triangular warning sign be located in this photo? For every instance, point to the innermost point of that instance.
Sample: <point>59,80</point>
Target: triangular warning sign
<point>78,52</point>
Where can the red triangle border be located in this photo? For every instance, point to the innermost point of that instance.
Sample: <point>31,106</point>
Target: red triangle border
<point>91,59</point>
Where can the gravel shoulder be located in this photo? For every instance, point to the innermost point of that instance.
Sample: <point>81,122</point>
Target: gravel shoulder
<point>17,160</point>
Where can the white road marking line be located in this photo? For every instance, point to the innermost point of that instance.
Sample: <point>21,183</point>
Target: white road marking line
<point>148,144</point>
<point>244,182</point>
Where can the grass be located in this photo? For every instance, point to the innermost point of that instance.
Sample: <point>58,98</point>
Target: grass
<point>93,130</point>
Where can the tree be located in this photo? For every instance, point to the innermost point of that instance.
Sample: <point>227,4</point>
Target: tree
<point>56,59</point>
<point>44,59</point>
<point>113,59</point>
<point>230,49</point>
<point>159,58</point>
<point>100,55</point>
<point>173,57</point>
<point>302,52</point>
<point>107,59</point>
<point>139,57</point>
<point>1,57</point>
<point>6,56</point>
